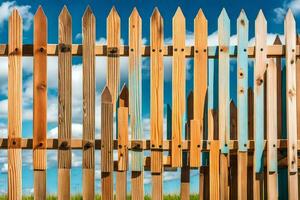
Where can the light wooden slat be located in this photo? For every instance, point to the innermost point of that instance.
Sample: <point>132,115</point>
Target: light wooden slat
<point>224,100</point>
<point>242,103</point>
<point>122,124</point>
<point>14,105</point>
<point>65,103</point>
<point>291,107</point>
<point>214,167</point>
<point>107,144</point>
<point>178,86</point>
<point>113,51</point>
<point>271,115</point>
<point>259,70</point>
<point>200,86</point>
<point>88,66</point>
<point>157,103</point>
<point>40,104</point>
<point>135,101</point>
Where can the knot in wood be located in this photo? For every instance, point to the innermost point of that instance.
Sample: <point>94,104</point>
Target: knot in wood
<point>64,145</point>
<point>64,48</point>
<point>259,81</point>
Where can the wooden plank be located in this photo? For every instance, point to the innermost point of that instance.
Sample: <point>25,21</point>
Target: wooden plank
<point>224,100</point>
<point>107,144</point>
<point>259,70</point>
<point>157,103</point>
<point>135,101</point>
<point>65,103</point>
<point>242,103</point>
<point>113,51</point>
<point>200,87</point>
<point>291,107</point>
<point>14,105</point>
<point>88,68</point>
<point>40,104</point>
<point>214,167</point>
<point>271,115</point>
<point>122,124</point>
<point>297,90</point>
<point>178,86</point>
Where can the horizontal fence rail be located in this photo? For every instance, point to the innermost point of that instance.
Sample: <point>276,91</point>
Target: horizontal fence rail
<point>243,149</point>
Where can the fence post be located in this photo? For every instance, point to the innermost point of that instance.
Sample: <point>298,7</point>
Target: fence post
<point>15,106</point>
<point>88,67</point>
<point>40,104</point>
<point>65,103</point>
<point>157,103</point>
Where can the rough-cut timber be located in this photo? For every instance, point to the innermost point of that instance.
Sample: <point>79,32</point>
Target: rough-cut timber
<point>178,87</point>
<point>88,68</point>
<point>113,50</point>
<point>14,106</point>
<point>224,100</point>
<point>122,131</point>
<point>135,101</point>
<point>259,71</point>
<point>107,145</point>
<point>242,103</point>
<point>157,103</point>
<point>291,107</point>
<point>65,103</point>
<point>272,129</point>
<point>40,104</point>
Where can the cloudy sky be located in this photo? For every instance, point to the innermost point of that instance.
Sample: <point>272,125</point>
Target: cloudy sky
<point>274,11</point>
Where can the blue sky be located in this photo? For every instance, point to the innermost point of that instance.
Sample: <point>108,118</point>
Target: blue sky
<point>274,11</point>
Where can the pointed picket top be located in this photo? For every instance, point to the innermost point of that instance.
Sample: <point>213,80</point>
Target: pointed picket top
<point>289,15</point>
<point>39,13</point>
<point>106,95</point>
<point>178,15</point>
<point>64,13</point>
<point>88,13</point>
<point>155,14</point>
<point>113,14</point>
<point>243,19</point>
<point>15,15</point>
<point>260,20</point>
<point>123,97</point>
<point>277,40</point>
<point>223,17</point>
<point>289,20</point>
<point>134,13</point>
<point>200,16</point>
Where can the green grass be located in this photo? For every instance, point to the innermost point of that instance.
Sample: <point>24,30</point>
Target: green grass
<point>98,197</point>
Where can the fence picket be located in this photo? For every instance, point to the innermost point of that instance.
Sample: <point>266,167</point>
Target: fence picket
<point>258,91</point>
<point>157,103</point>
<point>40,104</point>
<point>121,184</point>
<point>107,144</point>
<point>178,87</point>
<point>242,103</point>
<point>291,107</point>
<point>224,101</point>
<point>271,116</point>
<point>65,103</point>
<point>15,106</point>
<point>88,66</point>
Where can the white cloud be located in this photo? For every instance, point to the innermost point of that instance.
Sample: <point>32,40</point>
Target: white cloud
<point>4,168</point>
<point>280,12</point>
<point>24,10</point>
<point>78,36</point>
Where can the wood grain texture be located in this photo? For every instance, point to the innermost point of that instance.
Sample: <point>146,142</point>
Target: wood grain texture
<point>259,71</point>
<point>113,29</point>
<point>14,104</point>
<point>297,89</point>
<point>40,104</point>
<point>178,87</point>
<point>242,104</point>
<point>122,132</point>
<point>88,68</point>
<point>271,116</point>
<point>200,82</point>
<point>157,102</point>
<point>107,144</point>
<point>65,103</point>
<point>291,107</point>
<point>214,167</point>
<point>137,182</point>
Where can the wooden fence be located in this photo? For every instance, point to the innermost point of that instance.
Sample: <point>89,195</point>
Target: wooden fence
<point>237,148</point>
